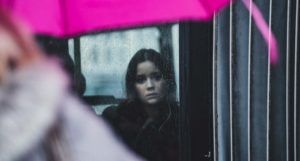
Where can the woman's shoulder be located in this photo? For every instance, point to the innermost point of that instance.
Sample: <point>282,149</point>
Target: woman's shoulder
<point>110,112</point>
<point>113,111</point>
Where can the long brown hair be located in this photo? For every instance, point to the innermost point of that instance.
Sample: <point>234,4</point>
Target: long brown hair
<point>160,62</point>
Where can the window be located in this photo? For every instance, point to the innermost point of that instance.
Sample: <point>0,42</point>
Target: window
<point>97,63</point>
<point>104,58</point>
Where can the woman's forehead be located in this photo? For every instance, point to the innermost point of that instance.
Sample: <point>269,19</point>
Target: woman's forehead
<point>146,68</point>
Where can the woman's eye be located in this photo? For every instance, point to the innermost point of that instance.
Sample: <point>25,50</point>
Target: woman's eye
<point>140,79</point>
<point>157,76</point>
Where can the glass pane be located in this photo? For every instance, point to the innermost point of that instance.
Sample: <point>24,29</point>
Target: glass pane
<point>132,75</point>
<point>105,56</point>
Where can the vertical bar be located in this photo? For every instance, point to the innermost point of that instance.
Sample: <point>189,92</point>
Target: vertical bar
<point>249,81</point>
<point>222,81</point>
<point>268,84</point>
<point>230,80</point>
<point>295,81</point>
<point>77,56</point>
<point>277,108</point>
<point>184,125</point>
<point>77,64</point>
<point>214,90</point>
<point>240,61</point>
<point>259,89</point>
<point>287,78</point>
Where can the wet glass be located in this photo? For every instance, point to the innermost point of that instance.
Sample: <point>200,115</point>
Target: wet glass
<point>102,59</point>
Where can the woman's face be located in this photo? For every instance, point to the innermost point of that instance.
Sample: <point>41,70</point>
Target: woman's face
<point>8,49</point>
<point>150,84</point>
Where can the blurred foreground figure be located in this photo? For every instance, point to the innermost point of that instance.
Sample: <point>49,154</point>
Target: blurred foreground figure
<point>39,119</point>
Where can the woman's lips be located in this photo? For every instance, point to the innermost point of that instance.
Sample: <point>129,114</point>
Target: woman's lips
<point>152,95</point>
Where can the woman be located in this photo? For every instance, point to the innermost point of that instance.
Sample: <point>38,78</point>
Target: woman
<point>146,121</point>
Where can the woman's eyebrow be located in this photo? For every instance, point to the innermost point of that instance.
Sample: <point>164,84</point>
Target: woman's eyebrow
<point>155,72</point>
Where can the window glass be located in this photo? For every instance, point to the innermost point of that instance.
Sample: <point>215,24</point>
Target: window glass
<point>105,57</point>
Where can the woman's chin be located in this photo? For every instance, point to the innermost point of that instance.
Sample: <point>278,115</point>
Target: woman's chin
<point>153,101</point>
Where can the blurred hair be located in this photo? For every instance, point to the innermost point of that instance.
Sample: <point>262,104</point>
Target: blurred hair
<point>160,62</point>
<point>20,33</point>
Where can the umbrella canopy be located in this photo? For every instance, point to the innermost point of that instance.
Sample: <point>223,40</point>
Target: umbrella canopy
<point>69,18</point>
<point>65,18</point>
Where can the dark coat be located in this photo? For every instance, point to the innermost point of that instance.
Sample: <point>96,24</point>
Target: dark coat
<point>156,140</point>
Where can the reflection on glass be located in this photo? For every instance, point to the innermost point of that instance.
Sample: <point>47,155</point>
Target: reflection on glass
<point>146,120</point>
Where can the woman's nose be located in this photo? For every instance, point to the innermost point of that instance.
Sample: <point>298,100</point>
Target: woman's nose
<point>149,84</point>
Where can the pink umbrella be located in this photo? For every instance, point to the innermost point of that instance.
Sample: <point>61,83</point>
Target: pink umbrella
<point>68,18</point>
<point>64,18</point>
